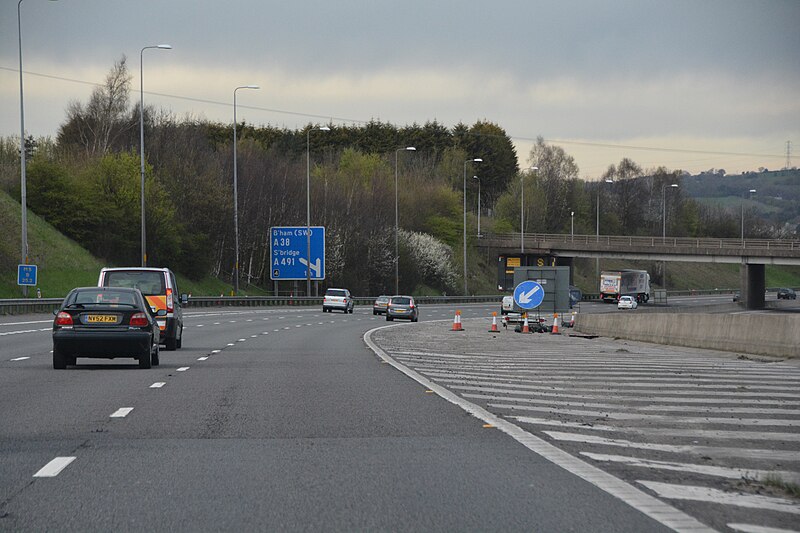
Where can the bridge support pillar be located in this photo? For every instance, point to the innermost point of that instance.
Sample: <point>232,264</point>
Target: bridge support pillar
<point>753,285</point>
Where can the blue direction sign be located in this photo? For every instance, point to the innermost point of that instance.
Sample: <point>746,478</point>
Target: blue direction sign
<point>288,247</point>
<point>528,295</point>
<point>27,274</point>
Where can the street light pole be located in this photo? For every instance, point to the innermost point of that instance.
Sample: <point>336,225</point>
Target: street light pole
<point>397,222</point>
<point>22,180</point>
<point>141,140</point>
<point>664,209</point>
<point>522,210</point>
<point>597,261</point>
<point>479,204</point>
<point>236,195</point>
<point>308,205</point>
<point>750,193</point>
<point>475,160</point>
<point>572,225</point>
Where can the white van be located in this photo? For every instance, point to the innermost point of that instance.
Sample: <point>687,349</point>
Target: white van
<point>160,289</point>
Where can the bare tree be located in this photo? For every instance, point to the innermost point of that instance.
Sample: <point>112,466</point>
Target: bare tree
<point>98,125</point>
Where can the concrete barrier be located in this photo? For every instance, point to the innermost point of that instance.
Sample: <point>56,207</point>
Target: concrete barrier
<point>773,334</point>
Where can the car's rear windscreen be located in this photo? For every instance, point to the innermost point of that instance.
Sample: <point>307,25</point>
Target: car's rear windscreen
<point>339,293</point>
<point>151,283</point>
<point>401,301</point>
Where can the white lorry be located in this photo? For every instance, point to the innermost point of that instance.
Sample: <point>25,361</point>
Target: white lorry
<point>635,283</point>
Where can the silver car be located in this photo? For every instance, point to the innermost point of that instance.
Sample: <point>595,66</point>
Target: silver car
<point>337,299</point>
<point>402,307</point>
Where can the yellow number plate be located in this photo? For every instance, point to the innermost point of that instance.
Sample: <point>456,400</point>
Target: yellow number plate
<point>101,319</point>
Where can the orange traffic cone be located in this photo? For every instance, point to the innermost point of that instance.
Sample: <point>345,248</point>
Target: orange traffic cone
<point>554,331</point>
<point>494,329</point>
<point>525,327</point>
<point>457,322</point>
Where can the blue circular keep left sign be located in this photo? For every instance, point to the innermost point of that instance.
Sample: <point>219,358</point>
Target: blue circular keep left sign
<point>529,295</point>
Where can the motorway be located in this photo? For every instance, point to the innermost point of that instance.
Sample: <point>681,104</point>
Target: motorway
<point>283,419</point>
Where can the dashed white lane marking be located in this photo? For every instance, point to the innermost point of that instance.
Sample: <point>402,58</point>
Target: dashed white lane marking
<point>650,506</point>
<point>22,331</point>
<point>707,470</point>
<point>287,327</point>
<point>122,412</point>
<point>215,351</point>
<point>752,528</point>
<point>232,321</point>
<point>276,330</point>
<point>54,467</point>
<point>780,455</point>
<point>253,336</point>
<point>158,384</point>
<point>182,369</point>
<point>265,332</point>
<point>202,358</point>
<point>705,494</point>
<point>241,340</point>
<point>299,326</point>
<point>20,358</point>
<point>249,320</point>
<point>231,344</point>
<point>665,432</point>
<point>199,325</point>
<point>216,323</point>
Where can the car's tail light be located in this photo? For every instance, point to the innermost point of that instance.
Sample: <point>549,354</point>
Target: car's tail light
<point>170,306</point>
<point>63,319</point>
<point>138,320</point>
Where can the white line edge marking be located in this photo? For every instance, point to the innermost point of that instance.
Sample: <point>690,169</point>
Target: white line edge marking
<point>158,384</point>
<point>705,494</point>
<point>54,467</point>
<point>182,369</point>
<point>639,500</point>
<point>751,528</point>
<point>122,412</point>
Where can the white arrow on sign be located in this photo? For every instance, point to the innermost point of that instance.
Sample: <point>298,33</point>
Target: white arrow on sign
<point>525,297</point>
<point>316,266</point>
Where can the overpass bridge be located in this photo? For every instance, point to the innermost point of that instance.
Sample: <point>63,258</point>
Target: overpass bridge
<point>751,254</point>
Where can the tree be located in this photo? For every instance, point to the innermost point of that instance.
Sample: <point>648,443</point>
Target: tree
<point>97,126</point>
<point>555,171</point>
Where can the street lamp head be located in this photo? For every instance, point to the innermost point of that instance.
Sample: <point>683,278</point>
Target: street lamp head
<point>534,168</point>
<point>609,180</point>
<point>324,128</point>
<point>411,149</point>
<point>476,178</point>
<point>478,160</point>
<point>164,46</point>
<point>674,185</point>
<point>752,191</point>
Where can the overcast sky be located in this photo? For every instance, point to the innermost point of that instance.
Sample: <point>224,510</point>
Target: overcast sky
<point>709,83</point>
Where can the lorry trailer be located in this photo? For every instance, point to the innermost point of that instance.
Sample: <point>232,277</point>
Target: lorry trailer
<point>617,283</point>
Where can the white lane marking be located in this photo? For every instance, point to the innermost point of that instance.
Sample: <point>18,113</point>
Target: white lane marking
<point>706,470</point>
<point>20,358</point>
<point>215,351</point>
<point>664,432</point>
<point>299,326</point>
<point>231,344</point>
<point>216,323</point>
<point>752,528</point>
<point>158,384</point>
<point>199,325</point>
<point>320,323</point>
<point>287,327</point>
<point>533,390</point>
<point>241,340</point>
<point>253,336</point>
<point>618,405</point>
<point>705,494</point>
<point>182,369</point>
<point>202,358</point>
<point>276,330</point>
<point>265,332</point>
<point>232,321</point>
<point>54,467</point>
<point>265,319</point>
<point>26,323</point>
<point>780,455</point>
<point>22,331</point>
<point>638,499</point>
<point>122,412</point>
<point>249,320</point>
<point>761,422</point>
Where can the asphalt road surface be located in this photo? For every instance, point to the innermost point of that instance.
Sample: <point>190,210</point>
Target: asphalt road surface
<point>283,419</point>
<point>266,420</point>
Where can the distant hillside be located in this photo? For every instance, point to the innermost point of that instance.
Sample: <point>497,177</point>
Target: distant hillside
<point>777,197</point>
